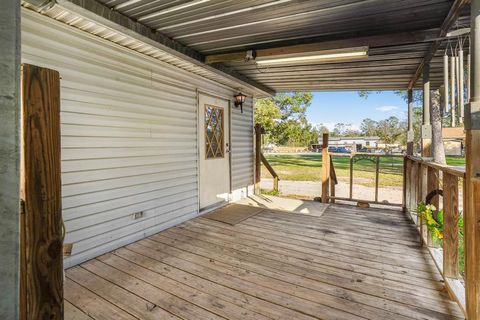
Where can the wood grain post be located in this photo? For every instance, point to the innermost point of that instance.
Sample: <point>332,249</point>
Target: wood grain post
<point>325,168</point>
<point>432,184</point>
<point>41,273</point>
<point>333,181</point>
<point>421,195</point>
<point>450,222</point>
<point>351,178</point>
<point>413,186</point>
<point>406,190</point>
<point>377,177</point>
<point>258,155</point>
<point>410,132</point>
<point>472,173</point>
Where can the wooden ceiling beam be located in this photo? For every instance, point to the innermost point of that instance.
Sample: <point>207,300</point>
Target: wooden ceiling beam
<point>450,19</point>
<point>371,41</point>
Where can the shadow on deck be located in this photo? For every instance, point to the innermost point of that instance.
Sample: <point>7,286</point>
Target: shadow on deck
<point>338,262</point>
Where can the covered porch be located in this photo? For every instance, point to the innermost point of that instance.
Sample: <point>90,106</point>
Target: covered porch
<point>295,260</point>
<point>315,261</point>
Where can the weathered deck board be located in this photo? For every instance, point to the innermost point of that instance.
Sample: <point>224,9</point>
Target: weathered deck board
<point>349,263</point>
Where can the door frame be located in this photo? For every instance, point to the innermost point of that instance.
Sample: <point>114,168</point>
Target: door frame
<point>229,106</point>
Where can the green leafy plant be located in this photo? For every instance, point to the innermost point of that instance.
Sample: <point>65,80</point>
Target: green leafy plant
<point>436,227</point>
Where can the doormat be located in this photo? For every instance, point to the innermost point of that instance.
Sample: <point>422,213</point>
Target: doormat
<point>233,213</point>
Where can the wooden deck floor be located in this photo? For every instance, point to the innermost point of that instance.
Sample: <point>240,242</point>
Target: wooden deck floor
<point>350,263</point>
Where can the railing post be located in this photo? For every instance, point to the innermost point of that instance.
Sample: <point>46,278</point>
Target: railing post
<point>377,176</point>
<point>413,185</point>
<point>332,181</point>
<point>432,184</point>
<point>450,223</point>
<point>325,168</point>
<point>351,177</point>
<point>258,155</point>
<point>41,272</point>
<point>472,173</point>
<point>406,181</point>
<point>421,195</point>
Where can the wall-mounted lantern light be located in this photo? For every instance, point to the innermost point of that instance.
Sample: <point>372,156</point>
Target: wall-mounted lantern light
<point>239,100</point>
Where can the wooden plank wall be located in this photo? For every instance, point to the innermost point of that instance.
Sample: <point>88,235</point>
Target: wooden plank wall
<point>41,277</point>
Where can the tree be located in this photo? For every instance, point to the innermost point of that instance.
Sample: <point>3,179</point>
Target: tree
<point>390,130</point>
<point>368,127</point>
<point>284,119</point>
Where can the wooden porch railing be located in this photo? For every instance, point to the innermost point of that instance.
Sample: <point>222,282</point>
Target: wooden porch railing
<point>423,179</point>
<point>333,180</point>
<point>272,172</point>
<point>353,158</point>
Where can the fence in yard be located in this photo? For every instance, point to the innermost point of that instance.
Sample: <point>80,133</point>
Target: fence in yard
<point>374,163</point>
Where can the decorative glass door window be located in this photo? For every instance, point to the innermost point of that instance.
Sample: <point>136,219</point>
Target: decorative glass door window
<point>214,135</point>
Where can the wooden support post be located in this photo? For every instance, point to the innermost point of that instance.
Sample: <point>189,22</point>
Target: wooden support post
<point>410,132</point>
<point>432,184</point>
<point>472,174</point>
<point>426,127</point>
<point>258,157</point>
<point>275,184</point>
<point>468,76</point>
<point>351,177</point>
<point>377,176</point>
<point>41,272</point>
<point>325,168</point>
<point>450,222</point>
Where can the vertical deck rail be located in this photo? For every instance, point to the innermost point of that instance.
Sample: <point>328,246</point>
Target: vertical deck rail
<point>272,172</point>
<point>333,180</point>
<point>425,179</point>
<point>325,169</point>
<point>41,231</point>
<point>258,151</point>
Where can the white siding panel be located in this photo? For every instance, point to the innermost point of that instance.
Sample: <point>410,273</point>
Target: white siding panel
<point>129,137</point>
<point>242,146</point>
<point>128,140</point>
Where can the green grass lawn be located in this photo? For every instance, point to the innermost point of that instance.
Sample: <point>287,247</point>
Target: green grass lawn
<point>308,167</point>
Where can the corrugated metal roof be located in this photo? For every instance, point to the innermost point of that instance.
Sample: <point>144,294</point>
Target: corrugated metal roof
<point>222,26</point>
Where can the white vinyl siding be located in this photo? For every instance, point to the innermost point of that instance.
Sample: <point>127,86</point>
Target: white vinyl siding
<point>242,146</point>
<point>129,137</point>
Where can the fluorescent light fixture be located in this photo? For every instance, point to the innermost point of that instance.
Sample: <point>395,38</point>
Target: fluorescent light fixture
<point>458,32</point>
<point>172,9</point>
<point>317,56</point>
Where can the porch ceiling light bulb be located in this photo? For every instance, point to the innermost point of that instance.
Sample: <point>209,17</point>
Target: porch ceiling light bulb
<point>239,100</point>
<point>318,56</point>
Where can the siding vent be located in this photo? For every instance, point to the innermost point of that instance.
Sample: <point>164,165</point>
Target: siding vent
<point>138,215</point>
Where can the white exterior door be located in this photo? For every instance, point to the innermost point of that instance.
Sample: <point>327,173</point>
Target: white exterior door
<point>214,150</point>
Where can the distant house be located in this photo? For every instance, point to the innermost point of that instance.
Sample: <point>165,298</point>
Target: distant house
<point>356,143</point>
<point>453,141</point>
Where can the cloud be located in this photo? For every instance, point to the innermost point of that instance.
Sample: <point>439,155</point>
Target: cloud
<point>386,108</point>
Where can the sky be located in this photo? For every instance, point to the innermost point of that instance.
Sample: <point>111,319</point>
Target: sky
<point>328,108</point>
